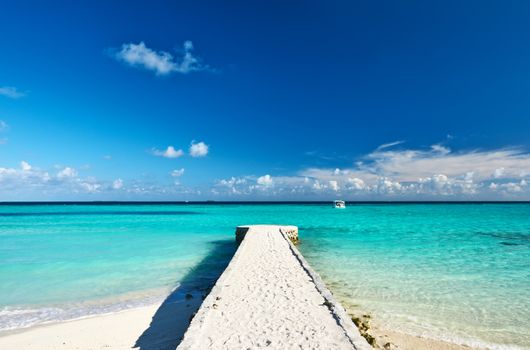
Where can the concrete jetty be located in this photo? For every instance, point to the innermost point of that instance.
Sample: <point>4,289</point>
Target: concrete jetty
<point>269,296</point>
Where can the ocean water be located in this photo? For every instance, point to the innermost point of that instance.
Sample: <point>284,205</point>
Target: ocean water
<point>455,272</point>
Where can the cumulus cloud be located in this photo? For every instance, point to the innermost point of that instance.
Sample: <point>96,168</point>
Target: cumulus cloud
<point>25,176</point>
<point>30,179</point>
<point>433,173</point>
<point>67,172</point>
<point>25,166</point>
<point>409,165</point>
<point>498,173</point>
<point>234,185</point>
<point>265,180</point>
<point>160,62</point>
<point>169,152</point>
<point>436,171</point>
<point>354,183</point>
<point>334,185</point>
<point>198,149</point>
<point>29,182</point>
<point>117,184</point>
<point>90,185</point>
<point>440,149</point>
<point>11,92</point>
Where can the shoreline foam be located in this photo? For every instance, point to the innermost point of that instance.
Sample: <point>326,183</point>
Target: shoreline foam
<point>33,316</point>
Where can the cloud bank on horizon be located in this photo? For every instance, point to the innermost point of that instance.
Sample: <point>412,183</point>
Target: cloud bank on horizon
<point>433,174</point>
<point>384,174</point>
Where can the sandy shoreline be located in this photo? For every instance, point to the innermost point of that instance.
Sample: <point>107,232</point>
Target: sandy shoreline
<point>156,326</point>
<point>118,330</point>
<point>122,330</point>
<point>272,300</point>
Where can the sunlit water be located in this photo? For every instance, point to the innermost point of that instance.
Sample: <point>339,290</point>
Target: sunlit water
<point>457,272</point>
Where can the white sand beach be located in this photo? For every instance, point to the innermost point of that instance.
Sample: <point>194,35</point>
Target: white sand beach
<point>157,326</point>
<point>115,331</point>
<point>123,329</point>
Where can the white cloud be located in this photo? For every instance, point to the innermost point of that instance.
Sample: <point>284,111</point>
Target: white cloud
<point>334,185</point>
<point>28,182</point>
<point>389,145</point>
<point>405,174</point>
<point>25,166</point>
<point>440,149</point>
<point>355,183</point>
<point>11,92</point>
<point>234,185</point>
<point>265,180</point>
<point>177,172</point>
<point>169,152</point>
<point>498,173</point>
<point>198,149</point>
<point>510,188</point>
<point>434,173</point>
<point>409,165</point>
<point>67,172</point>
<point>161,62</point>
<point>25,177</point>
<point>90,185</point>
<point>117,184</point>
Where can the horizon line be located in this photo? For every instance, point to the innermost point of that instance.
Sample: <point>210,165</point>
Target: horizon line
<point>266,202</point>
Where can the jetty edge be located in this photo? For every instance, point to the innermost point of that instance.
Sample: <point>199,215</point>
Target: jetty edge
<point>269,296</point>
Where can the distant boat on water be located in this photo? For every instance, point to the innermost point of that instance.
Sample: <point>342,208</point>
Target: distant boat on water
<point>339,204</point>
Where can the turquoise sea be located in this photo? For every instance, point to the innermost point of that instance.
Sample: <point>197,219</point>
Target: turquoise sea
<point>456,272</point>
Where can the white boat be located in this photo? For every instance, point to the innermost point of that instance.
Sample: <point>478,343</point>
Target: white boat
<point>339,204</point>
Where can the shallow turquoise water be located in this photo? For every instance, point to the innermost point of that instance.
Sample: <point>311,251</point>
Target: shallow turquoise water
<point>459,272</point>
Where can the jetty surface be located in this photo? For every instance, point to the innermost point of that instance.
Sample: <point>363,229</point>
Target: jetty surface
<point>269,297</point>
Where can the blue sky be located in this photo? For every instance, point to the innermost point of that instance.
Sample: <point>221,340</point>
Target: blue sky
<point>269,100</point>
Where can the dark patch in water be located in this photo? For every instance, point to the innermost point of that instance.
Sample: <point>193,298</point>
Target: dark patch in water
<point>523,238</point>
<point>117,212</point>
<point>334,229</point>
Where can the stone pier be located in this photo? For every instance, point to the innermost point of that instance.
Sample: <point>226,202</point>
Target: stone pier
<point>270,297</point>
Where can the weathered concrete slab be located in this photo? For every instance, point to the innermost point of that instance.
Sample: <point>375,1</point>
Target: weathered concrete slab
<point>270,297</point>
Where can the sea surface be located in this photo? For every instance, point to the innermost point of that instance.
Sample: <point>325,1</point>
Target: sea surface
<point>454,272</point>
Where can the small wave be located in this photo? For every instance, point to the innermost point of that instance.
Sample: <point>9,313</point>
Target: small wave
<point>13,318</point>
